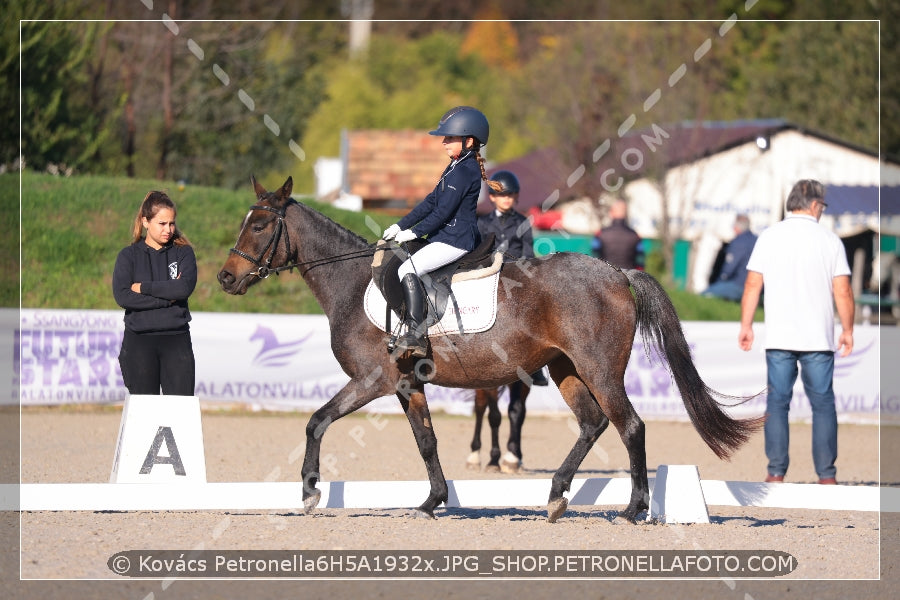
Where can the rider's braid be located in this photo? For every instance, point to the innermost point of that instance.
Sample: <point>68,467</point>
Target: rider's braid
<point>494,185</point>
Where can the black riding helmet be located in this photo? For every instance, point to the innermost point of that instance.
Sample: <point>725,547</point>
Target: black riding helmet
<point>464,121</point>
<point>509,182</point>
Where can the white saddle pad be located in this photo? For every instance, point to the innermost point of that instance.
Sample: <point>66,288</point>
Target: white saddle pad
<point>477,300</point>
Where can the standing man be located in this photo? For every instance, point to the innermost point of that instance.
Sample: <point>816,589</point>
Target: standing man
<point>729,285</point>
<point>618,244</point>
<point>805,272</point>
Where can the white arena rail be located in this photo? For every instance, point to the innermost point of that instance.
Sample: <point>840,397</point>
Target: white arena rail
<point>407,494</point>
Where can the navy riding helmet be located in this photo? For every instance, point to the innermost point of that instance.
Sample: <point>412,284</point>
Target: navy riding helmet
<point>508,181</point>
<point>464,121</point>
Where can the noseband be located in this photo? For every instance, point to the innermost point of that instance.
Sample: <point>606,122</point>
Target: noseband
<point>264,270</point>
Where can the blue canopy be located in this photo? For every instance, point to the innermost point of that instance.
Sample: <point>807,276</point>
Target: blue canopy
<point>856,199</point>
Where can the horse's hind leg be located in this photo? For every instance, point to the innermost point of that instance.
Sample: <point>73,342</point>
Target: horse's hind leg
<point>592,422</point>
<point>473,462</point>
<point>494,418</point>
<point>615,403</point>
<point>512,460</point>
<point>414,405</point>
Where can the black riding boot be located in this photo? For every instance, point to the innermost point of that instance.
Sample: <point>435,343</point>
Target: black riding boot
<point>414,338</point>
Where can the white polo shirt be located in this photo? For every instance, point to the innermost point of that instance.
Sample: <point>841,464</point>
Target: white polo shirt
<point>798,260</point>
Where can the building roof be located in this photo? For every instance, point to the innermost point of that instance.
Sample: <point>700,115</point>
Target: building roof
<point>544,174</point>
<point>391,170</point>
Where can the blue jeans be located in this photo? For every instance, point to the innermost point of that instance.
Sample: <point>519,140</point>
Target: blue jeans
<point>816,371</point>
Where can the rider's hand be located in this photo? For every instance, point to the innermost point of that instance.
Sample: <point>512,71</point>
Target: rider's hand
<point>406,235</point>
<point>391,232</point>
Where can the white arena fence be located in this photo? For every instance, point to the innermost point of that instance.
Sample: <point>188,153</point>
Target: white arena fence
<point>285,362</point>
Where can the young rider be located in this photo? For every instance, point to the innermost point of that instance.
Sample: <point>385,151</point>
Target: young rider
<point>446,216</point>
<point>512,230</point>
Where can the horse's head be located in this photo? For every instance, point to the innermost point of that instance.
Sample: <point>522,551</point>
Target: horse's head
<point>263,243</point>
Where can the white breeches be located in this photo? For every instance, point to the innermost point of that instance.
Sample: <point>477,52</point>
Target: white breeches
<point>429,258</point>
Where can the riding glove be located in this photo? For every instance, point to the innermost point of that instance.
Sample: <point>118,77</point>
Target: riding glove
<point>391,232</point>
<point>406,235</point>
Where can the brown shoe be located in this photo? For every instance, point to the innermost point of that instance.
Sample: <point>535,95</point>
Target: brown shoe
<point>774,478</point>
<point>828,481</point>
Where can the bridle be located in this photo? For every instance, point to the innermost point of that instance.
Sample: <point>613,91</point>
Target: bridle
<point>264,270</point>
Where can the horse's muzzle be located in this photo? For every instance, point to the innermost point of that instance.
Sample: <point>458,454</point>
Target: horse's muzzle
<point>229,284</point>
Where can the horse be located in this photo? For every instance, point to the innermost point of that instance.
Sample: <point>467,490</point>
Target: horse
<point>488,399</point>
<point>574,313</point>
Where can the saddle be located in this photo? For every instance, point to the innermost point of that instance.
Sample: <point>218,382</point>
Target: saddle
<point>480,262</point>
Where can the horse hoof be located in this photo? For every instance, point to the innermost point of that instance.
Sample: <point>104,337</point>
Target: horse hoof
<point>422,514</point>
<point>624,519</point>
<point>556,508</point>
<point>473,463</point>
<point>492,468</point>
<point>510,464</point>
<point>511,468</point>
<point>311,501</point>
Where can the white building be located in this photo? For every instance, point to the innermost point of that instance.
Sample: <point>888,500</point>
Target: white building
<point>705,173</point>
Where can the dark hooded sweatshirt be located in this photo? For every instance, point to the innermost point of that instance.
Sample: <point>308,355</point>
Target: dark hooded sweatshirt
<point>167,277</point>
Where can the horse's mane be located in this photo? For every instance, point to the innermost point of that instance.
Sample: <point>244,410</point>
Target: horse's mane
<point>345,234</point>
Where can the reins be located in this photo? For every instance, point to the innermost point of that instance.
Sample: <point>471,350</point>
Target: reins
<point>317,262</point>
<point>264,270</point>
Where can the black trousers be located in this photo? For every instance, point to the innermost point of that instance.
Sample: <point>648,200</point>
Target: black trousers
<point>151,363</point>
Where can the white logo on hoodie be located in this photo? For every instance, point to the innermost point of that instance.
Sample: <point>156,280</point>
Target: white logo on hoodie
<point>173,270</point>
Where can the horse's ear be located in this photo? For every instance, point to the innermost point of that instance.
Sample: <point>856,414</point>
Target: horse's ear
<point>259,189</point>
<point>287,188</point>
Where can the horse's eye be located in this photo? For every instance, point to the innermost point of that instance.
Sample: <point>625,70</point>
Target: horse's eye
<point>257,228</point>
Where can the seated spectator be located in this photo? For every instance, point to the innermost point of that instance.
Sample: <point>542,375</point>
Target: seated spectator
<point>730,283</point>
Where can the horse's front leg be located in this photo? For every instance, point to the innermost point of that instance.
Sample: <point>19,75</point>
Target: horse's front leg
<point>412,398</point>
<point>351,397</point>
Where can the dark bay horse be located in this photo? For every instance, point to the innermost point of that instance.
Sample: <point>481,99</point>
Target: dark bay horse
<point>574,313</point>
<point>489,400</point>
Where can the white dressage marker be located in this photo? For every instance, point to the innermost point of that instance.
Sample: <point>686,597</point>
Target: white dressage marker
<point>160,441</point>
<point>677,496</point>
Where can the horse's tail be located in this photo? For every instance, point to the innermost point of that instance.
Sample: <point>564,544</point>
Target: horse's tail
<point>661,327</point>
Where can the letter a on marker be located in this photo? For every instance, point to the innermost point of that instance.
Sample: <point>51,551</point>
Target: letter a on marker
<point>153,457</point>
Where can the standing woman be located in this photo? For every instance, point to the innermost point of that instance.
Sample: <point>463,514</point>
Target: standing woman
<point>152,281</point>
<point>446,216</point>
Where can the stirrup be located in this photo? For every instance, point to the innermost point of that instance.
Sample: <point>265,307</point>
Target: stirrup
<point>391,343</point>
<point>417,347</point>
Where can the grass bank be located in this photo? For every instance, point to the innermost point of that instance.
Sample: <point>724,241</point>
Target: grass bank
<point>72,228</point>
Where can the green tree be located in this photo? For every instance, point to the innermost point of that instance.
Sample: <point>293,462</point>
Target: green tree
<point>890,80</point>
<point>400,84</point>
<point>9,89</point>
<point>822,75</point>
<point>58,126</point>
<point>240,108</point>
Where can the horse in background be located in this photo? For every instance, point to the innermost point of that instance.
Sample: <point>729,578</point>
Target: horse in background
<point>489,399</point>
